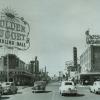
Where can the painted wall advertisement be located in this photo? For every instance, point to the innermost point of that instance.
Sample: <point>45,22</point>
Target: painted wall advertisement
<point>14,31</point>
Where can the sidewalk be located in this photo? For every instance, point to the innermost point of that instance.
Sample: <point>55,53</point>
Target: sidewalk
<point>85,86</point>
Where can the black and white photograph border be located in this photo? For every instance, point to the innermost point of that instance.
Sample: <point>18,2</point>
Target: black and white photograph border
<point>49,49</point>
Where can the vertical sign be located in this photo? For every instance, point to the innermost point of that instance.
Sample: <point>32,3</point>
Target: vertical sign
<point>75,57</point>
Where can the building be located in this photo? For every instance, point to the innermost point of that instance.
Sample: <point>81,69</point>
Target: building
<point>90,65</point>
<point>18,71</point>
<point>36,65</point>
<point>72,71</point>
<point>34,68</point>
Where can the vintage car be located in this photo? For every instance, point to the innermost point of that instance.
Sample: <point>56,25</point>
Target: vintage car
<point>67,87</point>
<point>9,88</point>
<point>39,86</point>
<point>95,88</point>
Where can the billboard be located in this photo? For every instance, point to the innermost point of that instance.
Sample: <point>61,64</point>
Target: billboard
<point>14,30</point>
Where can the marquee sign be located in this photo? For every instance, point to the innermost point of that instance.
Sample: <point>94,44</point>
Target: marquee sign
<point>14,31</point>
<point>92,39</point>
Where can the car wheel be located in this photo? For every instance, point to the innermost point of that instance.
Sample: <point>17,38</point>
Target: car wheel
<point>14,92</point>
<point>95,92</point>
<point>62,94</point>
<point>75,94</point>
<point>0,94</point>
<point>90,90</point>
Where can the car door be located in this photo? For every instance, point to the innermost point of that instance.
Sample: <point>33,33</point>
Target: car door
<point>12,87</point>
<point>94,86</point>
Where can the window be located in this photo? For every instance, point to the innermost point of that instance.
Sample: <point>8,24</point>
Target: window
<point>68,83</point>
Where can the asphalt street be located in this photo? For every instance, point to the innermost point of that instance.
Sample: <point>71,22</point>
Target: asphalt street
<point>51,94</point>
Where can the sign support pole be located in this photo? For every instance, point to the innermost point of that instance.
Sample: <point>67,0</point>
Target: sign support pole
<point>7,68</point>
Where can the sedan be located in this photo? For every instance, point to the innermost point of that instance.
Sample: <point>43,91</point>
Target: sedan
<point>95,88</point>
<point>67,87</point>
<point>9,88</point>
<point>39,86</point>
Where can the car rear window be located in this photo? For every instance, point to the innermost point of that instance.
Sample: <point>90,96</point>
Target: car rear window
<point>68,83</point>
<point>7,83</point>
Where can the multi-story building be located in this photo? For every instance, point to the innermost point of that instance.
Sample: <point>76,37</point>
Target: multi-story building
<point>19,72</point>
<point>34,68</point>
<point>90,65</point>
<point>36,65</point>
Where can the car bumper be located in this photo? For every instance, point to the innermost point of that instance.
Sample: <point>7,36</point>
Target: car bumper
<point>69,92</point>
<point>98,91</point>
<point>6,91</point>
<point>36,91</point>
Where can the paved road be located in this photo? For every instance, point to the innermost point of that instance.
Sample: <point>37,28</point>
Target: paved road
<point>52,94</point>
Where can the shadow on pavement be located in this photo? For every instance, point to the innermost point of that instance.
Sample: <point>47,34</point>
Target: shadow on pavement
<point>97,93</point>
<point>76,95</point>
<point>19,92</point>
<point>2,98</point>
<point>41,91</point>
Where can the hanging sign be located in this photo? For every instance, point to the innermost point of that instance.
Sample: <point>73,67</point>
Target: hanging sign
<point>14,30</point>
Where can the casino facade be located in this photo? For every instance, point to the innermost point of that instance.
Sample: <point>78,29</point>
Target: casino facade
<point>14,35</point>
<point>90,60</point>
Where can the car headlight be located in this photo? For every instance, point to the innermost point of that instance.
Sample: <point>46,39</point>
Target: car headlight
<point>8,88</point>
<point>75,88</point>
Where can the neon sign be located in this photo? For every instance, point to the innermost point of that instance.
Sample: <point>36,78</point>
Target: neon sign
<point>14,31</point>
<point>92,39</point>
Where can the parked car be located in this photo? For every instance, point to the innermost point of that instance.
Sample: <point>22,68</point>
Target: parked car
<point>67,87</point>
<point>95,88</point>
<point>39,86</point>
<point>1,90</point>
<point>9,88</point>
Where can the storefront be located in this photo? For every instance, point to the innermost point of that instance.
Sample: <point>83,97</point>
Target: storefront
<point>89,78</point>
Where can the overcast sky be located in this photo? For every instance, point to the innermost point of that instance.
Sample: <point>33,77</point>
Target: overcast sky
<point>56,27</point>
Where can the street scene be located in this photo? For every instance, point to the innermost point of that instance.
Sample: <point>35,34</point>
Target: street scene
<point>49,50</point>
<point>51,94</point>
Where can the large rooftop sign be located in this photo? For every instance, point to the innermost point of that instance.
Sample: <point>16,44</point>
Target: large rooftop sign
<point>92,39</point>
<point>14,30</point>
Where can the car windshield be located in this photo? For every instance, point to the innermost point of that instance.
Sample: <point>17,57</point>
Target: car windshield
<point>68,83</point>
